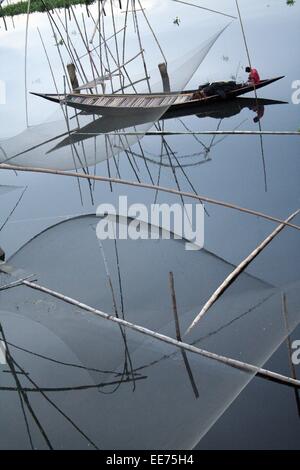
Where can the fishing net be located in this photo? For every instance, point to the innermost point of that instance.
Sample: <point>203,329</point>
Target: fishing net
<point>143,392</point>
<point>69,141</point>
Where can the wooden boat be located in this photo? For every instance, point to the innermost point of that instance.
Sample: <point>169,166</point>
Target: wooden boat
<point>141,103</point>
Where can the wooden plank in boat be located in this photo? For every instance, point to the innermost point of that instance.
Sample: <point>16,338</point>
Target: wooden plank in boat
<point>122,101</point>
<point>182,99</point>
<point>139,102</point>
<point>126,102</point>
<point>115,102</point>
<point>150,102</point>
<point>100,101</point>
<point>133,103</point>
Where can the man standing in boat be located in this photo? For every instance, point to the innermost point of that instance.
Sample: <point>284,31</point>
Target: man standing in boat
<point>253,76</point>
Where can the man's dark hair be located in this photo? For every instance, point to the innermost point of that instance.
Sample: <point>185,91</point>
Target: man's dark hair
<point>248,69</point>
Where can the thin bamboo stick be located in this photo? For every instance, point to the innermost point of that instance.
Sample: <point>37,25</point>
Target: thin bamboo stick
<point>195,133</point>
<point>25,64</point>
<point>136,184</point>
<point>256,97</point>
<point>101,43</point>
<point>178,335</point>
<point>78,388</point>
<point>108,51</point>
<point>67,364</point>
<point>100,11</point>
<point>73,148</point>
<point>15,283</point>
<point>249,368</point>
<point>124,36</point>
<point>65,114</point>
<point>59,410</point>
<point>158,133</point>
<point>135,19</point>
<point>153,33</point>
<point>116,40</point>
<point>238,270</point>
<point>20,394</point>
<point>115,307</point>
<point>160,166</point>
<point>4,20</point>
<point>23,395</point>
<point>13,209</point>
<point>207,9</point>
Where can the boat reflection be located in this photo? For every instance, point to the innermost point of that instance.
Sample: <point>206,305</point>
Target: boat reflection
<point>113,123</point>
<point>102,138</point>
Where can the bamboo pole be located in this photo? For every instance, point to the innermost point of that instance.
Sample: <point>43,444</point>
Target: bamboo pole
<point>160,165</point>
<point>153,32</point>
<point>178,335</point>
<point>13,209</point>
<point>68,364</point>
<point>136,184</point>
<point>195,133</point>
<point>173,171</point>
<point>139,38</point>
<point>73,148</point>
<point>100,11</point>
<point>21,394</point>
<point>242,366</point>
<point>187,129</point>
<point>115,307</point>
<point>101,43</point>
<point>25,62</point>
<point>59,410</point>
<point>107,52</point>
<point>238,270</point>
<point>4,20</point>
<point>167,146</point>
<point>65,114</point>
<point>16,283</point>
<point>24,400</point>
<point>78,388</point>
<point>249,133</point>
<point>256,97</point>
<point>116,40</point>
<point>206,9</point>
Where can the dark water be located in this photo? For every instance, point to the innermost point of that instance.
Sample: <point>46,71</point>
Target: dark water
<point>135,391</point>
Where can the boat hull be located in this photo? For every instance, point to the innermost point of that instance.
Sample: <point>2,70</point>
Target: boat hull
<point>175,102</point>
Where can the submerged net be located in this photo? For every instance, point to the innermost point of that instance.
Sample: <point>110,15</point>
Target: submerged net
<point>143,394</point>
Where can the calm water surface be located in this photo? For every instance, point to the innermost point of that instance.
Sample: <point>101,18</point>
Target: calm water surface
<point>91,384</point>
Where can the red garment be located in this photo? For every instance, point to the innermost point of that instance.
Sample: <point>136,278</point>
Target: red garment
<point>254,76</point>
